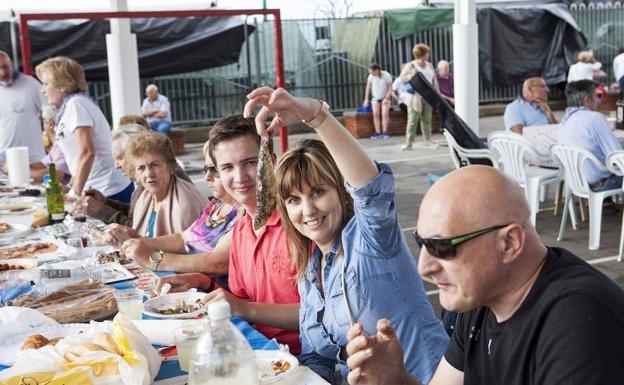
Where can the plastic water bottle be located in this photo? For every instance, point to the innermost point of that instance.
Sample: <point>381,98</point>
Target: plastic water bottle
<point>222,355</point>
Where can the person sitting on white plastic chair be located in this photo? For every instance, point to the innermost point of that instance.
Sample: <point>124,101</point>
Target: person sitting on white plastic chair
<point>582,126</point>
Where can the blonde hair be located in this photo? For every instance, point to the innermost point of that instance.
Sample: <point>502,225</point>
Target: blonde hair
<point>420,50</point>
<point>585,56</point>
<point>134,119</point>
<point>151,143</point>
<point>66,74</point>
<point>309,162</point>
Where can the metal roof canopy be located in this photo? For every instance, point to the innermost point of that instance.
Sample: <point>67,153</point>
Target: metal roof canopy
<point>277,22</point>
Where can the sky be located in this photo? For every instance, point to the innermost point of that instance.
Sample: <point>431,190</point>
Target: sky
<point>291,9</point>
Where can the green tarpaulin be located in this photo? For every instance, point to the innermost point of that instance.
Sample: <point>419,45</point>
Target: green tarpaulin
<point>404,22</point>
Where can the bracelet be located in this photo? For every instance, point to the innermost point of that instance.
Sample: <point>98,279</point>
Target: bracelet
<point>319,117</point>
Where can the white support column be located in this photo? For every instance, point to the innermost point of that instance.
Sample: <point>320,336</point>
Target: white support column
<point>123,66</point>
<point>466,62</point>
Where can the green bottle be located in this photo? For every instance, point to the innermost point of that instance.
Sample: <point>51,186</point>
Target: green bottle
<point>55,197</point>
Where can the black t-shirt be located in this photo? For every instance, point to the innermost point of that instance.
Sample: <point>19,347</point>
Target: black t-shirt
<point>569,330</point>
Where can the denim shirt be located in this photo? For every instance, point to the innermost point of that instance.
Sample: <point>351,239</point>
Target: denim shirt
<point>381,281</point>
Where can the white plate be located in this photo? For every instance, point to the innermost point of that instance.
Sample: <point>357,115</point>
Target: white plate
<point>26,263</point>
<point>169,301</point>
<point>111,272</point>
<point>17,208</point>
<point>10,347</point>
<point>264,362</point>
<point>15,229</point>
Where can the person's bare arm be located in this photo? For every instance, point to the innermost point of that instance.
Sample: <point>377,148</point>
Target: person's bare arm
<point>170,243</point>
<point>215,262</point>
<point>86,156</point>
<point>283,316</point>
<point>160,114</point>
<point>518,128</point>
<point>366,93</point>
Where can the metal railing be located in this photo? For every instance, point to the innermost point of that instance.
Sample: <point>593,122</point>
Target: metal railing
<point>318,64</point>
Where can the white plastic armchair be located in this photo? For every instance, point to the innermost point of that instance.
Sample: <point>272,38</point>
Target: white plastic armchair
<point>513,152</point>
<point>461,156</point>
<point>615,164</point>
<point>573,160</point>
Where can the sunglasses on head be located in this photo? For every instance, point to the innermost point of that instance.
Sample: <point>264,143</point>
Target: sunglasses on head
<point>211,171</point>
<point>446,248</point>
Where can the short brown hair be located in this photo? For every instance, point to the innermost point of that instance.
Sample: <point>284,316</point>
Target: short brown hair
<point>134,119</point>
<point>65,73</point>
<point>420,50</point>
<point>232,127</point>
<point>151,143</point>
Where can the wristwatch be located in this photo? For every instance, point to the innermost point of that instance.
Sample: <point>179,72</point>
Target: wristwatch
<point>154,260</point>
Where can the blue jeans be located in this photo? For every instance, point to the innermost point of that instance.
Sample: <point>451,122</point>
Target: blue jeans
<point>124,195</point>
<point>613,182</point>
<point>161,126</point>
<point>621,81</point>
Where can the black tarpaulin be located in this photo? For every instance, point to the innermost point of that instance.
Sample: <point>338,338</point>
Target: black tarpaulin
<point>166,45</point>
<point>516,43</point>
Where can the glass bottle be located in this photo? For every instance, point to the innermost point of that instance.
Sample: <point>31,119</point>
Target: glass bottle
<point>55,197</point>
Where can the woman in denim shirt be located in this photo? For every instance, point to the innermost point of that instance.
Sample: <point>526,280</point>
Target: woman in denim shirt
<point>351,259</point>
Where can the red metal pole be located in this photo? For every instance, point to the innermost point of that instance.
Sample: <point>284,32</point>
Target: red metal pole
<point>279,71</point>
<point>25,44</point>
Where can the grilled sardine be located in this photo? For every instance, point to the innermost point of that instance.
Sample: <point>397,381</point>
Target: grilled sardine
<point>265,186</point>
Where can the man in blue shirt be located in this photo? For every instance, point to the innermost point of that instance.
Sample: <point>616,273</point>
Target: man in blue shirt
<point>583,127</point>
<point>530,109</point>
<point>156,110</point>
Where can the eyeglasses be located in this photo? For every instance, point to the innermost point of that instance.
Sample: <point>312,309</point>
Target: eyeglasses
<point>211,171</point>
<point>446,248</point>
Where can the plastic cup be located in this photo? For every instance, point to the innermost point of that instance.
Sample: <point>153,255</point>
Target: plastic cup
<point>130,302</point>
<point>186,338</point>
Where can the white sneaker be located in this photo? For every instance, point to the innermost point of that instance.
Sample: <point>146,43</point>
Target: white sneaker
<point>406,147</point>
<point>430,145</point>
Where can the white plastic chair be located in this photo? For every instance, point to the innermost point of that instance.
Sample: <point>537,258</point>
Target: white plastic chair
<point>573,160</point>
<point>615,164</point>
<point>461,156</point>
<point>514,151</point>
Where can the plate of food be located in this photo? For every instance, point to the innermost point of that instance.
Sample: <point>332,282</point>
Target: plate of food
<point>12,230</point>
<point>176,306</point>
<point>28,250</point>
<point>273,363</point>
<point>17,208</point>
<point>17,264</point>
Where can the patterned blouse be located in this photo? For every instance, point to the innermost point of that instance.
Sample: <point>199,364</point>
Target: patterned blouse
<point>204,234</point>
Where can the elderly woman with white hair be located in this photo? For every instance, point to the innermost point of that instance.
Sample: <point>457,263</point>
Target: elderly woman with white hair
<point>96,205</point>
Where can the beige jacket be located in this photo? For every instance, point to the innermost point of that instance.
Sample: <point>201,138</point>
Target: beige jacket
<point>415,101</point>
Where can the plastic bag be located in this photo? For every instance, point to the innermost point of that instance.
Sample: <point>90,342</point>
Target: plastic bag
<point>79,303</point>
<point>137,364</point>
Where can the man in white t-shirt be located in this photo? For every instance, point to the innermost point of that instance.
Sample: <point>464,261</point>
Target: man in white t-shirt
<point>379,84</point>
<point>20,111</point>
<point>156,110</point>
<point>618,68</point>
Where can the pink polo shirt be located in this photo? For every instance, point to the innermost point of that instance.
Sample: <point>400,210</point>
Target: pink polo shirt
<point>259,271</point>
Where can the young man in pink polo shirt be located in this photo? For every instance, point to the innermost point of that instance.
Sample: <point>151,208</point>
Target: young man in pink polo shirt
<point>263,289</point>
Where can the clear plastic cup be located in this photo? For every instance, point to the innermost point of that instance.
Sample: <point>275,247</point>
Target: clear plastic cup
<point>186,338</point>
<point>130,302</point>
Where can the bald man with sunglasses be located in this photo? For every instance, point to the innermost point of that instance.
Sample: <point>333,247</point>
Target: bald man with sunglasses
<point>531,314</point>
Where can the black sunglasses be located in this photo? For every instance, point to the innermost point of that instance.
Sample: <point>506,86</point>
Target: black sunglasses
<point>211,171</point>
<point>446,248</point>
